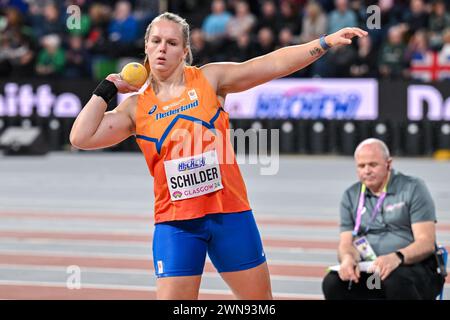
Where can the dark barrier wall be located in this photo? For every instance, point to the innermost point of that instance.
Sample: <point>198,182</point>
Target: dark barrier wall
<point>413,118</point>
<point>397,100</point>
<point>51,105</point>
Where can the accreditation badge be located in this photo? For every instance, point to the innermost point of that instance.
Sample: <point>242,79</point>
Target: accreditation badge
<point>194,176</point>
<point>365,249</point>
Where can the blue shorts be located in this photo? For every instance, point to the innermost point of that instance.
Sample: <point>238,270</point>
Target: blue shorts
<point>231,240</point>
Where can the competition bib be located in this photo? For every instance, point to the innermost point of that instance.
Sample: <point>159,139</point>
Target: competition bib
<point>193,176</point>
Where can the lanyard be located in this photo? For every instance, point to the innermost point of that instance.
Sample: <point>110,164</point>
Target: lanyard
<point>361,206</point>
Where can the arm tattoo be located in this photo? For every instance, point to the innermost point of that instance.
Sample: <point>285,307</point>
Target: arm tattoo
<point>314,52</point>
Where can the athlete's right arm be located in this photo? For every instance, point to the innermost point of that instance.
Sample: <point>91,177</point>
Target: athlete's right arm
<point>94,128</point>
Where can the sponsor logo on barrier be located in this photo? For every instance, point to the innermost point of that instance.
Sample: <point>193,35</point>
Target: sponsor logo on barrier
<point>307,99</point>
<point>309,103</point>
<point>420,96</point>
<point>20,100</point>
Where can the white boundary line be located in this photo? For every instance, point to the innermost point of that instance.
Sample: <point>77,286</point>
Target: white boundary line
<point>144,288</point>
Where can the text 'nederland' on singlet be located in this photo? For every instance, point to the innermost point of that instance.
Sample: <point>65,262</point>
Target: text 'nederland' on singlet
<point>188,152</point>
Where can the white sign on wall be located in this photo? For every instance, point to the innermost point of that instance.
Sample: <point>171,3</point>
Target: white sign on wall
<point>420,96</point>
<point>355,99</point>
<point>20,100</point>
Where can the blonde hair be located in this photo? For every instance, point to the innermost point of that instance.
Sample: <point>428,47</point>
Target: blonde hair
<point>185,32</point>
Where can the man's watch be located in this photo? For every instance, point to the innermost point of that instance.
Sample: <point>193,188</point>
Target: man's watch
<point>401,257</point>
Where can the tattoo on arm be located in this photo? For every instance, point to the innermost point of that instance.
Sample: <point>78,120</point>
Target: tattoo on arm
<point>314,52</point>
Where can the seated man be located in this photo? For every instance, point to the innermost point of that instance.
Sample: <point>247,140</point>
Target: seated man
<point>387,217</point>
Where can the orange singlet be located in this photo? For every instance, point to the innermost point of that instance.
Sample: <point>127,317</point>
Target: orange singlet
<point>188,152</point>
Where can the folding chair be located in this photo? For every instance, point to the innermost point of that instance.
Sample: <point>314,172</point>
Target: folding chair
<point>442,256</point>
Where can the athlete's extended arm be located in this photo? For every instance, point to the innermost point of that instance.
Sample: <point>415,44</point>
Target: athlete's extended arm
<point>94,128</point>
<point>227,77</point>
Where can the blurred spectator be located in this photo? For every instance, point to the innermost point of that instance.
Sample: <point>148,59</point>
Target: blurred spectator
<point>391,61</point>
<point>144,12</point>
<point>241,49</point>
<point>269,16</point>
<point>314,23</point>
<point>364,64</point>
<point>104,38</point>
<point>123,28</point>
<point>77,58</point>
<point>326,5</point>
<point>21,5</point>
<point>82,4</point>
<point>339,61</point>
<point>445,51</point>
<point>394,9</point>
<point>416,17</point>
<point>359,8</point>
<point>289,18</point>
<point>297,4</point>
<point>50,22</point>
<point>11,19</point>
<point>35,17</point>
<point>242,22</point>
<point>419,54</point>
<point>51,59</point>
<point>16,55</point>
<point>5,63</point>
<point>100,16</point>
<point>215,25</point>
<point>16,48</point>
<point>417,46</point>
<point>285,38</point>
<point>12,22</point>
<point>387,20</point>
<point>147,10</point>
<point>439,20</point>
<point>341,17</point>
<point>193,11</point>
<point>444,54</point>
<point>265,42</point>
<point>200,51</point>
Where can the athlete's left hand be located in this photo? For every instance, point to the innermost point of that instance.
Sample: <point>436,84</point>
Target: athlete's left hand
<point>344,36</point>
<point>384,265</point>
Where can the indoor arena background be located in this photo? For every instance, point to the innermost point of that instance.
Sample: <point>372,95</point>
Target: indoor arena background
<point>70,217</point>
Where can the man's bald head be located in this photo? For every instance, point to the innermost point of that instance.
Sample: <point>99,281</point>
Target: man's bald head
<point>373,163</point>
<point>375,142</point>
